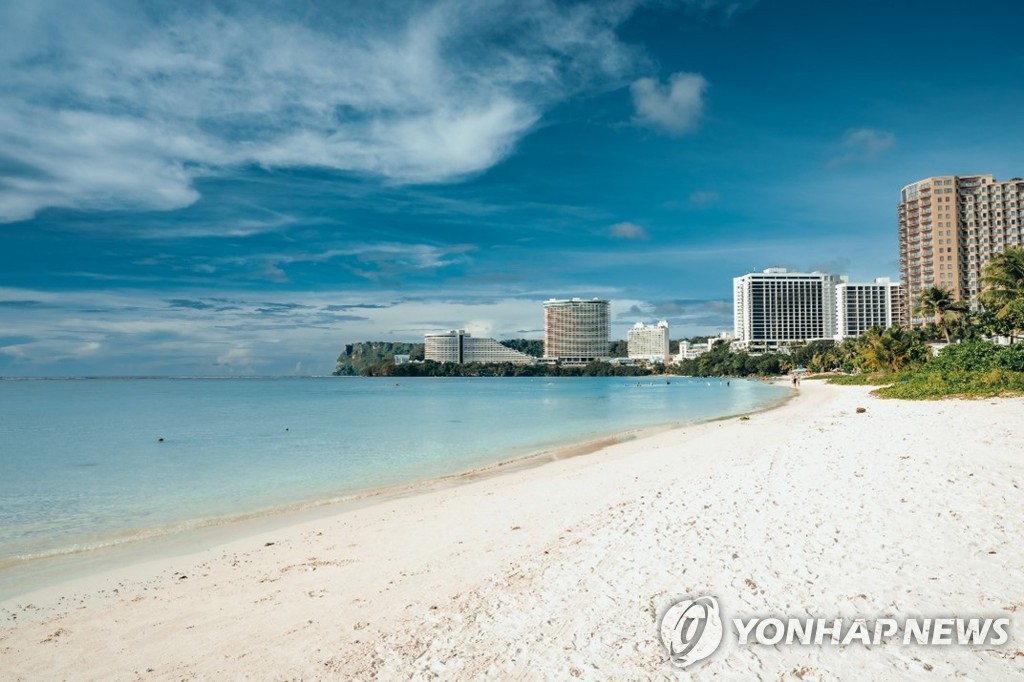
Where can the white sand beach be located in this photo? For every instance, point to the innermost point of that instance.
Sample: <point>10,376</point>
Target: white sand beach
<point>561,571</point>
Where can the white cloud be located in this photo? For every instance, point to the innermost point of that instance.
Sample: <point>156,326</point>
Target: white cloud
<point>127,104</point>
<point>862,144</point>
<point>674,107</point>
<point>627,231</point>
<point>236,356</point>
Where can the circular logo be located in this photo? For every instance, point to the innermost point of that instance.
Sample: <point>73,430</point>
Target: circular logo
<point>691,630</point>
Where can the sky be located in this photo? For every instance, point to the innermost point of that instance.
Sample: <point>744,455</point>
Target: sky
<point>241,188</point>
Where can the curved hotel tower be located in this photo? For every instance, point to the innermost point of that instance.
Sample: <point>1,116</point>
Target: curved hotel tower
<point>949,228</point>
<point>459,346</point>
<point>576,330</point>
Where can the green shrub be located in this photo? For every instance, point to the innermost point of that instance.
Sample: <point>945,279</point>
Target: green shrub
<point>930,382</point>
<point>1012,357</point>
<point>974,356</point>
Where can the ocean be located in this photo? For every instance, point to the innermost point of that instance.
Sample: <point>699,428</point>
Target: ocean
<point>87,464</point>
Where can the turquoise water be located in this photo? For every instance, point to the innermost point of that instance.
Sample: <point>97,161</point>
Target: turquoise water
<point>82,465</point>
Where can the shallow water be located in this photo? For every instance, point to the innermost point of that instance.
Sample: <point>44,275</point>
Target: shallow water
<point>87,463</point>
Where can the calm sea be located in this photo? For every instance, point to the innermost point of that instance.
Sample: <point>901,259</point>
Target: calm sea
<point>89,463</point>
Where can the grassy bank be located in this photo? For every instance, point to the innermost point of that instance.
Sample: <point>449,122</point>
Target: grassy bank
<point>975,369</point>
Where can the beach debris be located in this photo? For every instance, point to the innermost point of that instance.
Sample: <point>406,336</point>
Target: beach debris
<point>59,632</point>
<point>744,418</point>
<point>267,544</point>
<point>861,410</point>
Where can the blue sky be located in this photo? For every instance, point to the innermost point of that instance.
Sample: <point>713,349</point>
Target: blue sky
<point>219,188</point>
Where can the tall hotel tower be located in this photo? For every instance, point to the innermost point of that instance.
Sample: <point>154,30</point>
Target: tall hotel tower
<point>949,228</point>
<point>776,308</point>
<point>576,330</point>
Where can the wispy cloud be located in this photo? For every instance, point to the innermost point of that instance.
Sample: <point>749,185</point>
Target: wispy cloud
<point>627,231</point>
<point>861,144</point>
<point>686,317</point>
<point>126,105</point>
<point>673,108</point>
<point>370,261</point>
<point>140,332</point>
<point>727,8</point>
<point>704,198</point>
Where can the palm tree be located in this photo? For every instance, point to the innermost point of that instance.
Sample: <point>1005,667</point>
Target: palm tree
<point>889,349</point>
<point>938,302</point>
<point>848,354</point>
<point>1003,292</point>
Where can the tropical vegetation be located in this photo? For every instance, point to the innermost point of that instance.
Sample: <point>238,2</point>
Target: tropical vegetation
<point>1003,292</point>
<point>940,304</point>
<point>429,368</point>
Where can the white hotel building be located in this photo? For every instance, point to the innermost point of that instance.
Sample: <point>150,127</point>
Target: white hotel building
<point>460,347</point>
<point>859,307</point>
<point>648,342</point>
<point>775,308</point>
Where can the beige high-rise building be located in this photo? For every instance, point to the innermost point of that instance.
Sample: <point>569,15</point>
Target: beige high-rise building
<point>576,330</point>
<point>949,228</point>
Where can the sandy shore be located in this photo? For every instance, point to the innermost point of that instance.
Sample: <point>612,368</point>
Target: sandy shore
<point>561,571</point>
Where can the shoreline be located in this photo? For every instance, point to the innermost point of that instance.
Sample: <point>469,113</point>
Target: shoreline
<point>49,571</point>
<point>812,509</point>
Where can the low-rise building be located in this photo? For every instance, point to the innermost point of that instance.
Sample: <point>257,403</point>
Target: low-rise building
<point>692,351</point>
